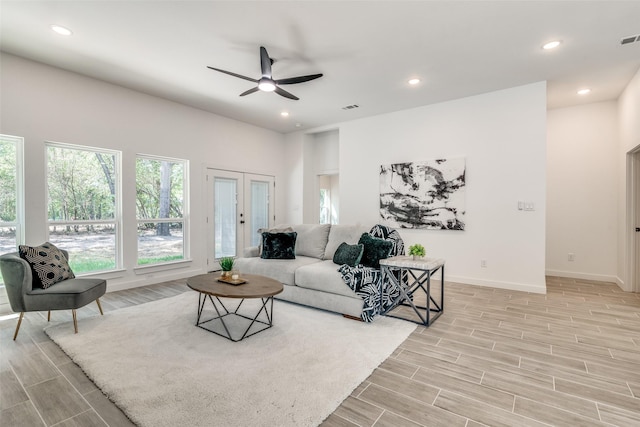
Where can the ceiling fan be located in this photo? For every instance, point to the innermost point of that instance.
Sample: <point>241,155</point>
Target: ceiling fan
<point>267,83</point>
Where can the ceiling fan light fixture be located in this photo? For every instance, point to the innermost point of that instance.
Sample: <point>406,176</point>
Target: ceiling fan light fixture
<point>266,86</point>
<point>63,31</point>
<point>551,45</point>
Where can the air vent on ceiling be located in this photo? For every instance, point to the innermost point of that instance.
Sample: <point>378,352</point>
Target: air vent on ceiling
<point>351,107</point>
<point>630,39</point>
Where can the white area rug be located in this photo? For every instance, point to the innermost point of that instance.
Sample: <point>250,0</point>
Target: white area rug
<point>162,370</point>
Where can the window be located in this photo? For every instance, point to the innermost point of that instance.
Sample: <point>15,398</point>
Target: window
<point>161,189</point>
<point>11,194</point>
<point>83,186</point>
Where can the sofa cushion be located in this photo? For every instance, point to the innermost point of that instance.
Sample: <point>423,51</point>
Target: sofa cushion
<point>323,276</point>
<point>282,270</point>
<point>312,239</point>
<point>278,245</point>
<point>340,234</point>
<point>375,249</point>
<point>48,264</point>
<point>348,254</point>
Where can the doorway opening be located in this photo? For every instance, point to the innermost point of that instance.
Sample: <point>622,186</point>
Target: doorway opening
<point>329,198</point>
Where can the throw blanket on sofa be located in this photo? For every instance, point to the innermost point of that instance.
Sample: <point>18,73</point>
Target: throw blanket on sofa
<point>367,281</point>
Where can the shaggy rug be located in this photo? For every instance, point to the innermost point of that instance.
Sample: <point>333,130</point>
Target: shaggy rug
<point>161,370</point>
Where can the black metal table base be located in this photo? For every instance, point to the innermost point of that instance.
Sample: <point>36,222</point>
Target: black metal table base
<point>223,312</point>
<point>428,313</point>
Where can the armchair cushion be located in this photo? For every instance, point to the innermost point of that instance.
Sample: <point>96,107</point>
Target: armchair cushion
<point>48,264</point>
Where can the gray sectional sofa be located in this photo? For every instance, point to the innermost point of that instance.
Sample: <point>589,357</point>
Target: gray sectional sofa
<point>312,278</point>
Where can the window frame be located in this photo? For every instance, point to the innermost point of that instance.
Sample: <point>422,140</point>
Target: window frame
<point>18,142</point>
<point>117,220</point>
<point>184,220</point>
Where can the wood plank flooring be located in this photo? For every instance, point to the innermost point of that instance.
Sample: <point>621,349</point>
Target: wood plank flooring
<point>495,357</point>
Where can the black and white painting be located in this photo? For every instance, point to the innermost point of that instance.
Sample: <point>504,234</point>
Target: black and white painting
<point>428,194</point>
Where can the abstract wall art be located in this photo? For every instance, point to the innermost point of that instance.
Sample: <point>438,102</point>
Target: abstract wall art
<point>428,194</point>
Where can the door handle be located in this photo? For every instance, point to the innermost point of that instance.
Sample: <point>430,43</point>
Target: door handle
<point>637,229</point>
<point>241,221</point>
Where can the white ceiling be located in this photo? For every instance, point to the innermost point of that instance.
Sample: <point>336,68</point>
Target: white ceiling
<point>367,51</point>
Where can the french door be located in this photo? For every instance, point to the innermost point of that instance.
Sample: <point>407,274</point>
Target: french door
<point>238,205</point>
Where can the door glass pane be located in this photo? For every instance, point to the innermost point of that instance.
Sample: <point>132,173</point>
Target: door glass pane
<point>224,203</point>
<point>259,209</point>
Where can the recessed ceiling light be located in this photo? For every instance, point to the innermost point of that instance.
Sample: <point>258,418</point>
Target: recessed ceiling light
<point>285,114</point>
<point>414,81</point>
<point>584,91</point>
<point>551,45</point>
<point>61,30</point>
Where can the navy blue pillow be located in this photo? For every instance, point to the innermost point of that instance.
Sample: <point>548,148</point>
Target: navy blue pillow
<point>375,249</point>
<point>279,245</point>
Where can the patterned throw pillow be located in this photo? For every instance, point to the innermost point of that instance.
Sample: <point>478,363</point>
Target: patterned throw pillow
<point>348,254</point>
<point>279,245</point>
<point>48,264</point>
<point>375,249</point>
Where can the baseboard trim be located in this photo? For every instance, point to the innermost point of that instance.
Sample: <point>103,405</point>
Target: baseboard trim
<point>159,278</point>
<point>585,276</point>
<point>537,289</point>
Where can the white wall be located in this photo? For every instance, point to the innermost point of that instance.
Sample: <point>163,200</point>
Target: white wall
<point>629,130</point>
<point>326,146</point>
<point>582,171</point>
<point>42,103</point>
<point>502,136</point>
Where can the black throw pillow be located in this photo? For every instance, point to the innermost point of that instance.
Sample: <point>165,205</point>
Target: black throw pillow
<point>375,249</point>
<point>279,245</point>
<point>348,254</point>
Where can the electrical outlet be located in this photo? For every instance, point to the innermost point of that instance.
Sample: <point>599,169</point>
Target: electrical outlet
<point>483,263</point>
<point>571,257</point>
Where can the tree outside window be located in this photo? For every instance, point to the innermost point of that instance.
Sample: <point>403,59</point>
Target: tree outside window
<point>83,205</point>
<point>160,209</point>
<point>11,195</point>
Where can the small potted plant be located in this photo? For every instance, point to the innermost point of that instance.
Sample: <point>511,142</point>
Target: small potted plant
<point>226,264</point>
<point>417,251</point>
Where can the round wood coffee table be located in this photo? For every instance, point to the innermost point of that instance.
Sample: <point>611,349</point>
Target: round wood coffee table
<point>256,287</point>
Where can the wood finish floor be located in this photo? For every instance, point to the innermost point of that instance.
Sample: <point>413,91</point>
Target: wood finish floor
<point>495,357</point>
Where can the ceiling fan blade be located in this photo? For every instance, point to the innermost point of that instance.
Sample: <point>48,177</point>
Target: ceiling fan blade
<point>234,74</point>
<point>265,62</point>
<point>301,79</point>
<point>286,94</point>
<point>250,91</point>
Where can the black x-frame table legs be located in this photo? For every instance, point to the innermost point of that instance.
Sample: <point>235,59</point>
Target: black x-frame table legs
<point>418,280</point>
<point>222,312</point>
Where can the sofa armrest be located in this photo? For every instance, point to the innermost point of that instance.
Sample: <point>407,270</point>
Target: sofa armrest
<point>251,252</point>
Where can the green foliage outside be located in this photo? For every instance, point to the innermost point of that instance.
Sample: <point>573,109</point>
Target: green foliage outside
<point>81,185</point>
<point>7,181</point>
<point>156,180</point>
<point>155,260</point>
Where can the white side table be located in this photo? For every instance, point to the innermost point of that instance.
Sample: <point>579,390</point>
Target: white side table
<point>417,274</point>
